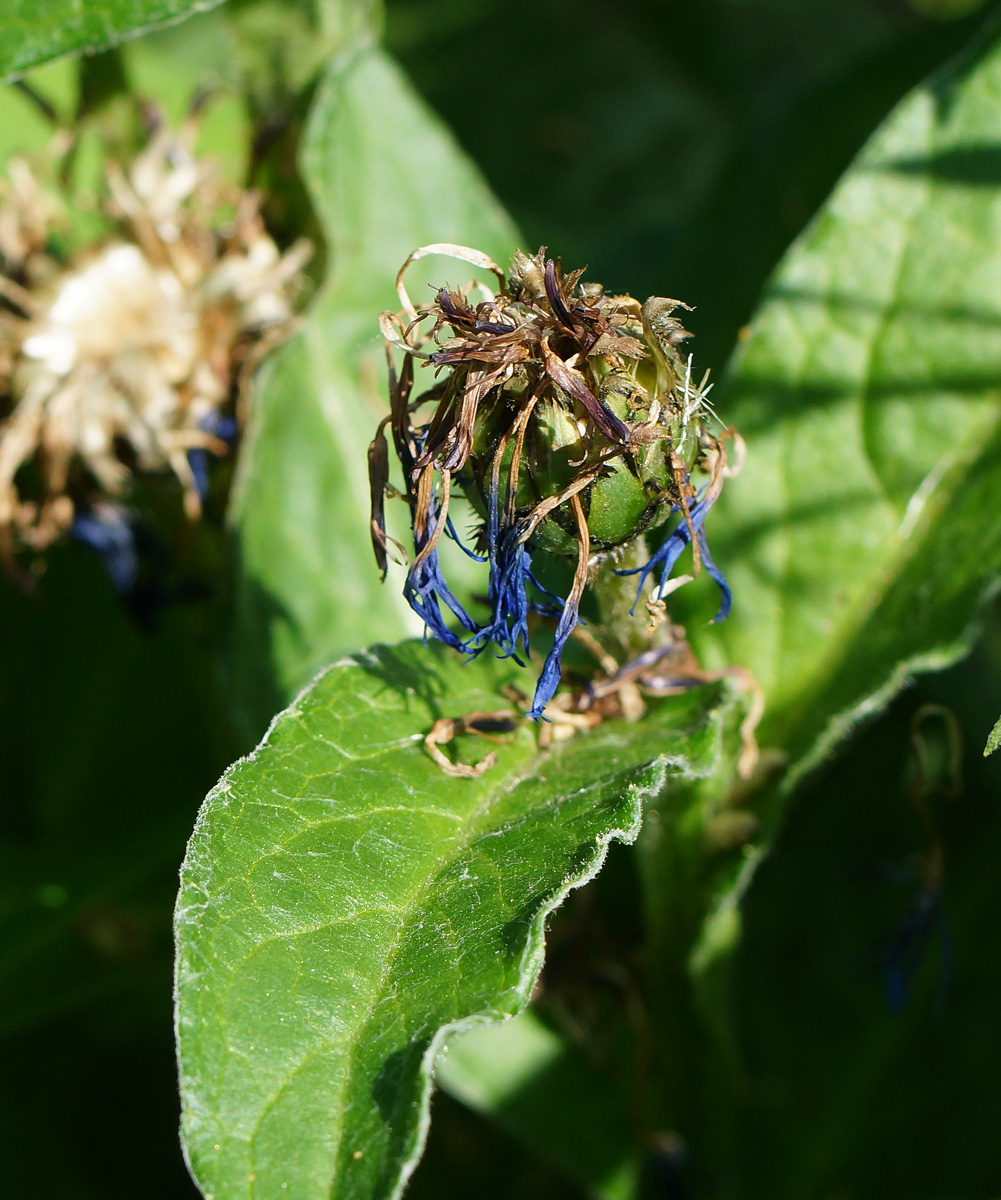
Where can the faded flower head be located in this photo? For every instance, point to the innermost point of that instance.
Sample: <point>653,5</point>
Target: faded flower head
<point>568,420</point>
<point>127,356</point>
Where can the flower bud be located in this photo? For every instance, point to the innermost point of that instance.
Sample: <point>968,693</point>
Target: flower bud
<point>569,421</point>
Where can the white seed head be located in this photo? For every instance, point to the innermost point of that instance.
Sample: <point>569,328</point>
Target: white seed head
<point>140,339</point>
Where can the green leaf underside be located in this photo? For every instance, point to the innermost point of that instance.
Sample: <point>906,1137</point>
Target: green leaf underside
<point>344,903</point>
<point>994,740</point>
<point>386,178</point>
<point>869,397</point>
<point>36,31</point>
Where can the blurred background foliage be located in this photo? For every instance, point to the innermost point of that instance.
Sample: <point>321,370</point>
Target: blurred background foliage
<point>672,147</point>
<point>666,144</point>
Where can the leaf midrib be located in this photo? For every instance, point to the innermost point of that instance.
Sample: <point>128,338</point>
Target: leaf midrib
<point>882,581</point>
<point>790,719</point>
<point>407,909</point>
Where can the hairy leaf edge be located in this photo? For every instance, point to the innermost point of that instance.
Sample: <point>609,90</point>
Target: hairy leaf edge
<point>928,505</point>
<point>656,775</point>
<point>652,776</point>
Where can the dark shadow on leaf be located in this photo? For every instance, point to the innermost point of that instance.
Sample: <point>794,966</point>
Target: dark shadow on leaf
<point>514,933</point>
<point>410,669</point>
<point>847,302</point>
<point>735,540</point>
<point>395,1091</point>
<point>765,401</point>
<point>969,166</point>
<point>395,1079</point>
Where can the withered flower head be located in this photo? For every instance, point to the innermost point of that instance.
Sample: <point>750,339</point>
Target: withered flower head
<point>569,421</point>
<point>127,354</point>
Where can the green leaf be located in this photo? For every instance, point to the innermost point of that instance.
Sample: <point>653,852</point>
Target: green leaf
<point>173,64</point>
<point>994,740</point>
<point>385,178</point>
<point>946,10</point>
<point>281,46</point>
<point>861,537</point>
<point>36,31</point>
<point>549,1095</point>
<point>344,904</point>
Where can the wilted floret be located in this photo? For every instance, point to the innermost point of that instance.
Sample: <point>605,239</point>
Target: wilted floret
<point>569,421</point>
<point>126,355</point>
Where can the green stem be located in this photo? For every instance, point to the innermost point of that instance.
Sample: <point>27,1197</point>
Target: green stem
<point>616,595</point>
<point>692,1079</point>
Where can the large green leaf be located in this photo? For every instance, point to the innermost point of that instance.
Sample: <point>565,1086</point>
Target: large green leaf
<point>860,539</point>
<point>344,903</point>
<point>861,535</point>
<point>385,179</point>
<point>35,31</point>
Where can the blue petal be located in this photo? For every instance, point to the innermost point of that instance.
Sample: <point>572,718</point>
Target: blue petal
<point>670,550</point>
<point>224,428</point>
<point>549,679</point>
<point>726,595</point>
<point>510,572</point>
<point>450,532</point>
<point>902,953</point>
<point>509,603</point>
<point>198,461</point>
<point>425,590</point>
<point>221,427</point>
<point>106,529</point>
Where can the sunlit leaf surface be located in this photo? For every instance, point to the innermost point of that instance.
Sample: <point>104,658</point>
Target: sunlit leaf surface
<point>343,901</point>
<point>861,536</point>
<point>35,31</point>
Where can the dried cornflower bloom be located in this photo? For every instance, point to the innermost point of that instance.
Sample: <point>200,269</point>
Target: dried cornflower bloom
<point>127,356</point>
<point>571,424</point>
